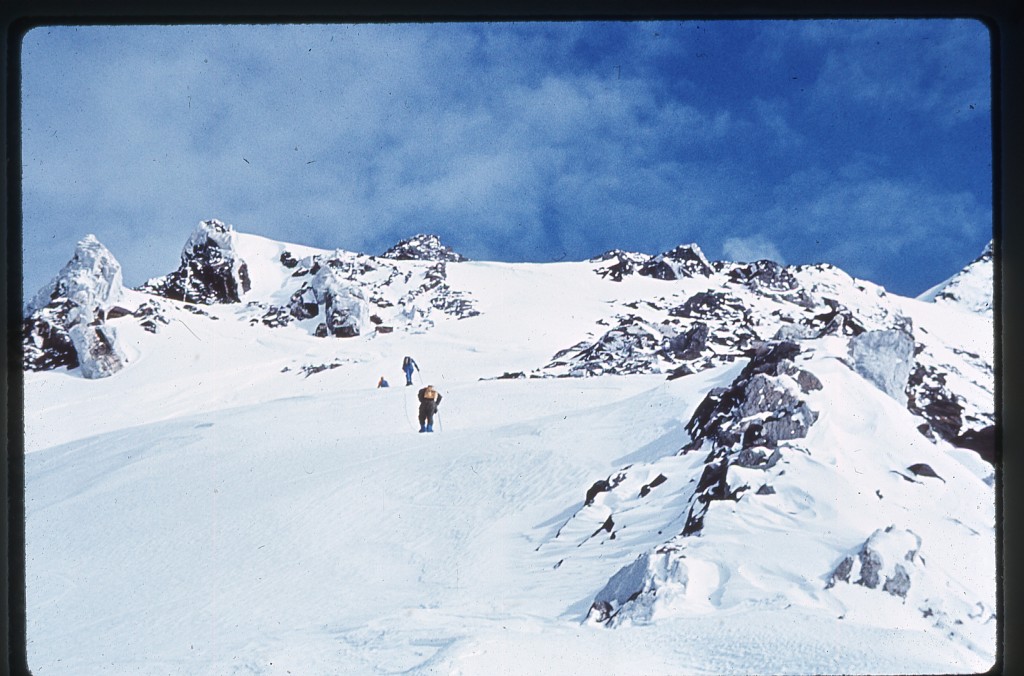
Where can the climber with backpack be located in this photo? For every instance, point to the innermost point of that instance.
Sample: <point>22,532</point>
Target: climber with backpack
<point>407,365</point>
<point>430,399</point>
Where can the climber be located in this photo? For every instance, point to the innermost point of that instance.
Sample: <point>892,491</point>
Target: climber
<point>430,399</point>
<point>407,365</point>
<point>382,382</point>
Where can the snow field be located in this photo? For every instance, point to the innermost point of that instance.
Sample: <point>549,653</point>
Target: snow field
<point>219,508</point>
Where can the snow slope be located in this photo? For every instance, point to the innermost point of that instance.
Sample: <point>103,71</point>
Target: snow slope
<point>240,499</point>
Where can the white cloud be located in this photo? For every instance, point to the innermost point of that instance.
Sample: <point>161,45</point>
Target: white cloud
<point>752,248</point>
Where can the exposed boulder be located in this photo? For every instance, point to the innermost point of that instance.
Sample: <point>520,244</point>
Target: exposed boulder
<point>885,559</point>
<point>885,359</point>
<point>422,248</point>
<point>346,309</point>
<point>99,353</point>
<point>211,270</point>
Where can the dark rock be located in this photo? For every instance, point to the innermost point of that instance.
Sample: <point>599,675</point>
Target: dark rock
<point>841,573</point>
<point>766,275</point>
<point>690,344</point>
<point>600,611</point>
<point>870,565</point>
<point>422,248</point>
<point>807,381</point>
<point>303,303</point>
<point>709,305</point>
<point>288,260</point>
<point>899,583</point>
<point>921,469</point>
<point>624,350</point>
<point>765,489</point>
<point>657,481</point>
<point>210,270</point>
<point>607,526</point>
<point>686,260</point>
<point>598,487</point>
<point>623,266</point>
<point>46,344</point>
<point>276,317</point>
<point>768,356</point>
<point>838,321</point>
<point>150,316</point>
<point>982,441</point>
<point>518,375</point>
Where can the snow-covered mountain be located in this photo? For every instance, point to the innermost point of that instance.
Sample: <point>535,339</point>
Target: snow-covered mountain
<point>646,464</point>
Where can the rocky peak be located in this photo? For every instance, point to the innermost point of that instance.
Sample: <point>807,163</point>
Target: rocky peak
<point>91,279</point>
<point>211,270</point>
<point>422,248</point>
<point>65,324</point>
<point>686,260</point>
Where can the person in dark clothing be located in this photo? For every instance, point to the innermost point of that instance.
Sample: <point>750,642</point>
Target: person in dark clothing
<point>407,365</point>
<point>382,382</point>
<point>430,399</point>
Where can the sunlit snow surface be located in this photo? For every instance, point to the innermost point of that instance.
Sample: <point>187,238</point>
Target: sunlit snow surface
<point>206,511</point>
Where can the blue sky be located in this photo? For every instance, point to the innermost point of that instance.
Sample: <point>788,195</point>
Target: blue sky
<point>866,144</point>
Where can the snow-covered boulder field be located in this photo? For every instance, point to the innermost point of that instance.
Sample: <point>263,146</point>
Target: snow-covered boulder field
<point>654,464</point>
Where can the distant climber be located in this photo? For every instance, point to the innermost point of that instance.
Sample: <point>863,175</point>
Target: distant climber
<point>408,364</point>
<point>382,382</point>
<point>430,399</point>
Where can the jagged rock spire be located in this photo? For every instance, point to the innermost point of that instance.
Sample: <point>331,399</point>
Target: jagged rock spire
<point>211,269</point>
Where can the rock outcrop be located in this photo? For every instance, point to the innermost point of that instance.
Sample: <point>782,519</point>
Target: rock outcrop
<point>65,323</point>
<point>422,248</point>
<point>885,358</point>
<point>886,559</point>
<point>686,260</point>
<point>211,269</point>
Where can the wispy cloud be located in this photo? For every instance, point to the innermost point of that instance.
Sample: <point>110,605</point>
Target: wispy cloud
<point>753,248</point>
<point>512,141</point>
